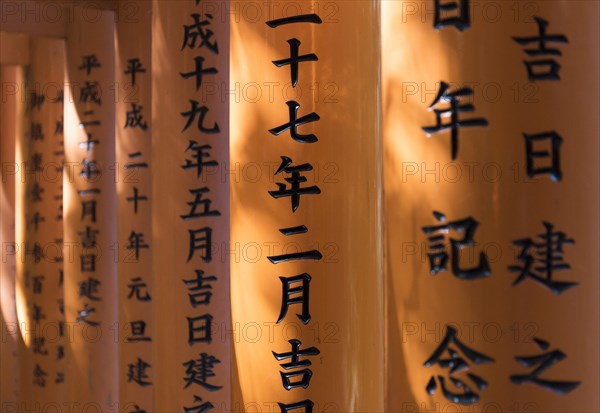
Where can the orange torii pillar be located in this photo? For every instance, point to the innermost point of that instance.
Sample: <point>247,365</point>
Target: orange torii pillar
<point>11,110</point>
<point>90,205</point>
<point>134,216</point>
<point>41,149</point>
<point>190,206</point>
<point>491,208</point>
<point>306,251</point>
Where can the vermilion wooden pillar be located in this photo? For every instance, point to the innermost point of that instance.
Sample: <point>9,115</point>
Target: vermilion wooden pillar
<point>343,222</point>
<point>190,205</point>
<point>11,107</point>
<point>134,186</point>
<point>91,249</point>
<point>500,315</point>
<point>41,150</point>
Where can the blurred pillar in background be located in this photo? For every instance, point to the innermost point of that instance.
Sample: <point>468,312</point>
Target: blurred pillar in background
<point>134,208</point>
<point>90,242</point>
<point>41,226</point>
<point>11,105</point>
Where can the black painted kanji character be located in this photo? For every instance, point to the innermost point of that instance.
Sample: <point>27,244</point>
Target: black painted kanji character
<point>200,329</point>
<point>88,208</point>
<point>138,288</point>
<point>553,169</point>
<point>200,407</point>
<point>88,192</point>
<point>200,152</point>
<point>199,202</point>
<point>90,92</point>
<point>295,191</point>
<point>136,243</point>
<point>87,262</point>
<point>136,373</point>
<point>307,405</point>
<point>88,237</point>
<point>60,377</point>
<point>294,364</point>
<point>36,132</point>
<point>200,111</point>
<point>84,314</point>
<point>135,165</point>
<point>453,112</point>
<point>295,290</point>
<point>136,198</point>
<point>539,261</point>
<point>34,192</point>
<point>200,288</point>
<point>134,66</point>
<point>541,363</point>
<point>38,346</point>
<point>39,376</point>
<point>38,314</point>
<point>35,164</point>
<point>134,118</point>
<point>295,256</point>
<point>36,252</point>
<point>294,122</point>
<point>301,18</point>
<point>36,220</point>
<point>444,14</point>
<point>200,239</point>
<point>59,128</point>
<point>199,71</point>
<point>88,63</point>
<point>198,372</point>
<point>35,101</point>
<point>542,69</point>
<point>438,258</point>
<point>138,332</point>
<point>38,283</point>
<point>90,170</point>
<point>294,59</point>
<point>89,143</point>
<point>196,31</point>
<point>455,363</point>
<point>60,352</point>
<point>87,123</point>
<point>89,288</point>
